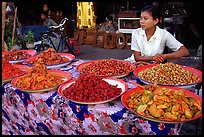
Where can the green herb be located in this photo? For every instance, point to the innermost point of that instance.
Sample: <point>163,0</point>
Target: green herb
<point>29,37</point>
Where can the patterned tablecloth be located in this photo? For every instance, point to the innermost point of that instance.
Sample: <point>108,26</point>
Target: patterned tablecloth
<point>49,114</point>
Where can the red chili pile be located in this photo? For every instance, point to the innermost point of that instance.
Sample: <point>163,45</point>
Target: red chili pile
<point>9,71</point>
<point>107,67</point>
<point>91,89</point>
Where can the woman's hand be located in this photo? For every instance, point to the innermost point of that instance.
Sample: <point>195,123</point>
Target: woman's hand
<point>158,58</point>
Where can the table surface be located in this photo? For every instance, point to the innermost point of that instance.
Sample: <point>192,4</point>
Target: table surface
<point>50,114</point>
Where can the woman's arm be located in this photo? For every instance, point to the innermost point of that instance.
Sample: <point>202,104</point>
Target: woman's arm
<point>158,58</point>
<point>138,57</point>
<point>181,52</point>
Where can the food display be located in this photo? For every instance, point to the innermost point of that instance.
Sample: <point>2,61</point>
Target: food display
<point>163,104</point>
<point>10,71</point>
<point>168,74</point>
<point>89,89</point>
<point>15,56</point>
<point>39,78</point>
<point>106,67</point>
<point>51,58</point>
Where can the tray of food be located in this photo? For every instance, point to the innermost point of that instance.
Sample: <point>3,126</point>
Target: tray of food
<point>51,58</point>
<point>39,79</point>
<point>92,89</point>
<point>16,56</point>
<point>169,74</point>
<point>9,71</point>
<point>165,104</point>
<point>106,67</point>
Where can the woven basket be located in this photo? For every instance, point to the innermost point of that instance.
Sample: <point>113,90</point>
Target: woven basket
<point>90,40</point>
<point>127,40</point>
<point>110,40</point>
<point>120,41</point>
<point>100,39</point>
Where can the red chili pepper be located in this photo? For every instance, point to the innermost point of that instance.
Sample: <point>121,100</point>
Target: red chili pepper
<point>9,71</point>
<point>91,89</point>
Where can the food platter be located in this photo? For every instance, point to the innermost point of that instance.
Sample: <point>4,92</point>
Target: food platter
<point>113,81</point>
<point>66,76</point>
<point>83,65</point>
<point>139,90</point>
<point>31,52</point>
<point>56,66</point>
<point>186,86</point>
<point>21,67</point>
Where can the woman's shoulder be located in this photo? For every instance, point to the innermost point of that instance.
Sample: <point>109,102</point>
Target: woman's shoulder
<point>137,30</point>
<point>162,30</point>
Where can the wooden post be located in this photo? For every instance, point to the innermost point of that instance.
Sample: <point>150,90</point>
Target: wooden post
<point>3,23</point>
<point>14,27</point>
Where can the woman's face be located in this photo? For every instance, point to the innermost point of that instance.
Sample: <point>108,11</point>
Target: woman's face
<point>45,7</point>
<point>147,21</point>
<point>43,17</point>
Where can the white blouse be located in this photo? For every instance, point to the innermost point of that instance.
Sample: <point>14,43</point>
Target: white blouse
<point>156,43</point>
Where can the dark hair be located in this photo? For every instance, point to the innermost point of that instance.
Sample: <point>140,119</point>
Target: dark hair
<point>45,13</point>
<point>153,10</point>
<point>110,18</point>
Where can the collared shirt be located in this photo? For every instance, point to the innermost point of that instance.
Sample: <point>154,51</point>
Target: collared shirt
<point>49,22</point>
<point>109,28</point>
<point>156,43</point>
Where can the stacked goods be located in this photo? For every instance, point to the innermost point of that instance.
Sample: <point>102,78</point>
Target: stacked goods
<point>9,70</point>
<point>169,73</point>
<point>91,89</point>
<point>16,55</point>
<point>48,57</point>
<point>164,103</point>
<point>38,78</point>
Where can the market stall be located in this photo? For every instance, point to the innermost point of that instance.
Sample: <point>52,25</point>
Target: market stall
<point>49,113</point>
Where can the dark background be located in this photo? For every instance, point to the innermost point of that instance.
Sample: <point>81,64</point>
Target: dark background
<point>190,29</point>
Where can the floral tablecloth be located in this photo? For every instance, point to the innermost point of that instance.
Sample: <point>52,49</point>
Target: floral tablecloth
<point>49,114</point>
